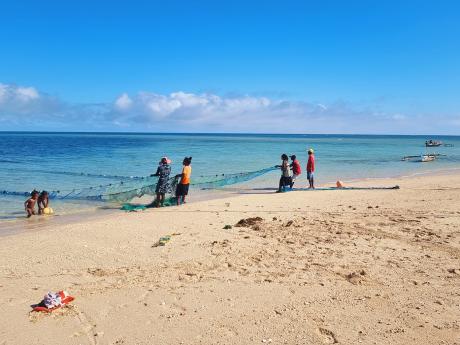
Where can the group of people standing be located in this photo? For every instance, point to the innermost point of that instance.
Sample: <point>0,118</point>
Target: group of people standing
<point>164,184</point>
<point>287,179</point>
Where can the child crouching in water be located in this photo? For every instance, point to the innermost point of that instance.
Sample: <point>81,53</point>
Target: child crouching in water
<point>29,204</point>
<point>184,183</point>
<point>43,202</point>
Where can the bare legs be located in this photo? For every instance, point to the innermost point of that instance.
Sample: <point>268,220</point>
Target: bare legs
<point>30,212</point>
<point>160,200</point>
<point>180,200</point>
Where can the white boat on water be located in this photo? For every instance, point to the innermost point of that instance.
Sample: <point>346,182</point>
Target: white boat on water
<point>427,158</point>
<point>423,157</point>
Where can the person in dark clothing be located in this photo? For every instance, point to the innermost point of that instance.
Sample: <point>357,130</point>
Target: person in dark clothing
<point>285,179</point>
<point>184,183</point>
<point>163,185</point>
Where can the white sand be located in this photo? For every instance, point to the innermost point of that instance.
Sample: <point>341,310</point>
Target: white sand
<point>347,267</point>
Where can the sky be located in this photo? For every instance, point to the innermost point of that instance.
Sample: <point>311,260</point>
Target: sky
<point>382,67</point>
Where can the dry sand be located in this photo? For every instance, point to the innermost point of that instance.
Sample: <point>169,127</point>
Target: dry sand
<point>323,267</point>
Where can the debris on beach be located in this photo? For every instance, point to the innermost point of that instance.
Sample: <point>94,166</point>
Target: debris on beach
<point>227,227</point>
<point>52,301</point>
<point>162,241</point>
<point>165,239</point>
<point>453,270</point>
<point>248,222</point>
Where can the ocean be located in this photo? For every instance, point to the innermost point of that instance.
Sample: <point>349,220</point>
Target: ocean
<point>68,161</point>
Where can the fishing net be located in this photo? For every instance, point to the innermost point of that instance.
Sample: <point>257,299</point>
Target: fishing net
<point>219,181</point>
<point>83,174</point>
<point>137,187</point>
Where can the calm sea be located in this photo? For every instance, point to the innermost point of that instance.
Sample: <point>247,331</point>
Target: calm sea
<point>53,161</point>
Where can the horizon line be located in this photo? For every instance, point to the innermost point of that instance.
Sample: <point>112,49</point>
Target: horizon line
<point>223,133</point>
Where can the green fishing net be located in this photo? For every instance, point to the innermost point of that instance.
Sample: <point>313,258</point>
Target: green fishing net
<point>124,191</point>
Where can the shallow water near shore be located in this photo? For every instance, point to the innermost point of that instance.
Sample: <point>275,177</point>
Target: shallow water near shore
<point>67,161</point>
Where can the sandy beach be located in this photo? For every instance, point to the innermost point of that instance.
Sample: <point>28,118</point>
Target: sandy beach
<point>321,267</point>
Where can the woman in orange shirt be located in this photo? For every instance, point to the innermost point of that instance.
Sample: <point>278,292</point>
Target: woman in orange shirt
<point>184,183</point>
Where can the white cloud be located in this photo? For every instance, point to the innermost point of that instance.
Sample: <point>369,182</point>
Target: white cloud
<point>26,94</point>
<point>19,101</point>
<point>17,94</point>
<point>3,92</point>
<point>123,102</point>
<point>27,108</point>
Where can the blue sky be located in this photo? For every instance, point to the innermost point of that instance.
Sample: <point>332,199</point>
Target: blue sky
<point>278,66</point>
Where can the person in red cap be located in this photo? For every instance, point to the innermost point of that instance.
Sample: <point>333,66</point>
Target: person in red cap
<point>163,185</point>
<point>311,168</point>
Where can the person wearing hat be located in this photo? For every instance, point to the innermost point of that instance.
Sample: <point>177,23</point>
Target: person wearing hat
<point>311,168</point>
<point>163,185</point>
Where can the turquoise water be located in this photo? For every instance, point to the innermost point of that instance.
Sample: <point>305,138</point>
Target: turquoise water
<point>53,161</point>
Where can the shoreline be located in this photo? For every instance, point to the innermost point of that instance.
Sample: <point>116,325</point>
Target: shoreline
<point>42,223</point>
<point>11,227</point>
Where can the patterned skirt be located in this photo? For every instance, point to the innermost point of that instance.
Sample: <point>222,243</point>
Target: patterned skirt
<point>163,186</point>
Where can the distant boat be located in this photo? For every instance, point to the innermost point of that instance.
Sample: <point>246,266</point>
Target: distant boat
<point>433,143</point>
<point>427,158</point>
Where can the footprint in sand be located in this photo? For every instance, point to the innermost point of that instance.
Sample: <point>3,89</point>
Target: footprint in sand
<point>88,326</point>
<point>98,272</point>
<point>327,336</point>
<point>356,278</point>
<point>118,342</point>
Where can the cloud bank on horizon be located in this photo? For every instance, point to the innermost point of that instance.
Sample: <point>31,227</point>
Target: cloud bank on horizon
<point>26,108</point>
